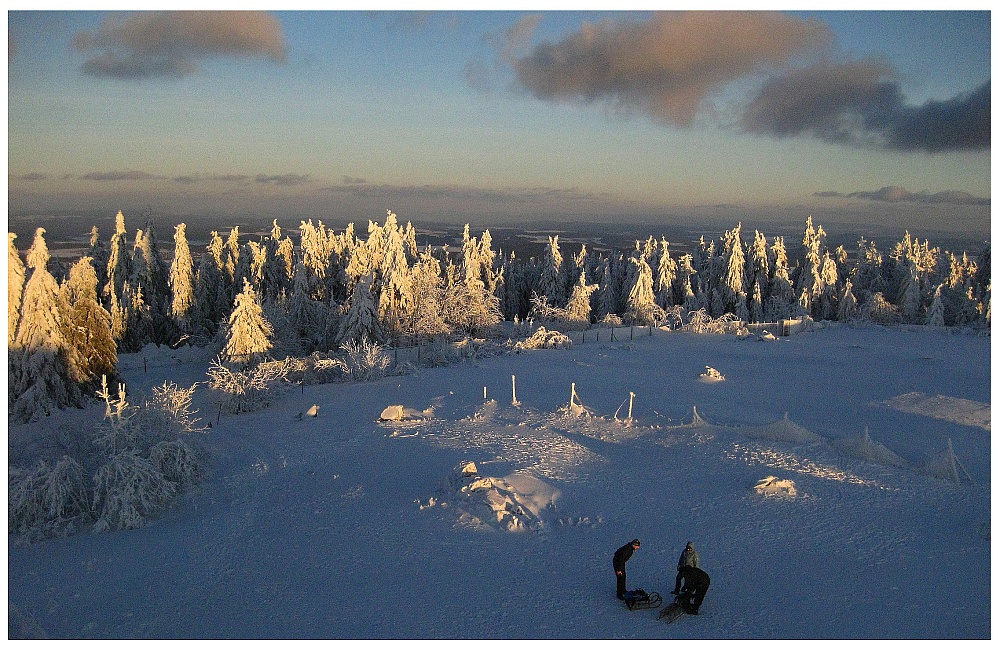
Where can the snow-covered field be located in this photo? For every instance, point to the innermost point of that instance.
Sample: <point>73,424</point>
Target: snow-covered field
<point>342,526</point>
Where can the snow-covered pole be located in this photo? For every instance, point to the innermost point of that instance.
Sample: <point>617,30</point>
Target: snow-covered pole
<point>513,390</point>
<point>484,393</point>
<point>630,397</point>
<point>572,391</point>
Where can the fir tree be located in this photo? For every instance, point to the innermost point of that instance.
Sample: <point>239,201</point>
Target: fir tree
<point>428,297</point>
<point>38,377</point>
<point>249,333</point>
<point>86,328</point>
<point>847,309</point>
<point>552,283</point>
<point>578,306</point>
<point>119,262</point>
<point>361,321</point>
<point>16,273</point>
<point>935,315</point>
<point>641,300</point>
<point>666,274</point>
<point>182,281</point>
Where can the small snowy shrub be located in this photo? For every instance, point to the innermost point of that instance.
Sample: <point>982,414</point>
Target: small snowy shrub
<point>545,339</point>
<point>178,462</point>
<point>128,490</point>
<point>319,369</point>
<point>44,499</point>
<point>365,360</point>
<point>250,389</point>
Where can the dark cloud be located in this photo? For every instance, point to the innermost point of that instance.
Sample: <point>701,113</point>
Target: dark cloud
<point>282,179</point>
<point>860,104</point>
<point>132,175</point>
<point>668,65</point>
<point>353,180</point>
<point>31,176</point>
<point>169,43</point>
<point>896,194</point>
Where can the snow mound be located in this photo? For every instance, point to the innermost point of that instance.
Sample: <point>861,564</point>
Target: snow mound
<point>784,430</point>
<point>512,503</point>
<point>545,339</point>
<point>400,413</point>
<point>766,336</point>
<point>771,486</point>
<point>868,450</point>
<point>953,410</point>
<point>711,375</point>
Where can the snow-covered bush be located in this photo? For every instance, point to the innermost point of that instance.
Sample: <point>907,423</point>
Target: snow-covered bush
<point>249,389</point>
<point>46,499</point>
<point>365,359</point>
<point>319,369</point>
<point>699,321</point>
<point>545,339</point>
<point>128,490</point>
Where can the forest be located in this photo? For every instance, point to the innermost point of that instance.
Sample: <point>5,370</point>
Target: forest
<point>277,298</point>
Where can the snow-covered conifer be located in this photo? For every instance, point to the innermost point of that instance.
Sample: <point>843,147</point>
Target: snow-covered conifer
<point>935,315</point>
<point>552,283</point>
<point>182,281</point>
<point>38,378</point>
<point>396,293</point>
<point>578,307</point>
<point>119,260</point>
<point>304,312</point>
<point>428,295</point>
<point>641,300</point>
<point>361,320</point>
<point>16,273</point>
<point>666,275</point>
<point>249,334</point>
<point>86,327</point>
<point>909,302</point>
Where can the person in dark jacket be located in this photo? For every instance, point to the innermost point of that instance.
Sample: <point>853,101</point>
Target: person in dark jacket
<point>696,584</point>
<point>621,557</point>
<point>689,558</point>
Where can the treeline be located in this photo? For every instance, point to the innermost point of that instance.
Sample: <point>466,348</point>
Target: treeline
<point>276,296</point>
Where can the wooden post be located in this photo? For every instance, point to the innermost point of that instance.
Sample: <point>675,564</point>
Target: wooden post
<point>484,393</point>
<point>630,397</point>
<point>513,390</point>
<point>631,332</point>
<point>572,391</point>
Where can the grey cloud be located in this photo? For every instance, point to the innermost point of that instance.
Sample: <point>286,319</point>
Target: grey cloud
<point>860,104</point>
<point>31,176</point>
<point>896,194</point>
<point>668,65</point>
<point>282,179</point>
<point>353,180</point>
<point>169,43</point>
<point>517,194</point>
<point>131,175</point>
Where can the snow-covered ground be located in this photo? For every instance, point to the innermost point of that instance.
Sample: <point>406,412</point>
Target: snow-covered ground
<point>345,526</point>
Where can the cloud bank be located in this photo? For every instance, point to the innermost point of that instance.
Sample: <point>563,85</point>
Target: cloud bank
<point>170,43</point>
<point>896,194</point>
<point>668,66</point>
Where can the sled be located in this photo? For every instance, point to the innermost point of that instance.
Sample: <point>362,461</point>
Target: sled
<point>640,599</point>
<point>672,611</point>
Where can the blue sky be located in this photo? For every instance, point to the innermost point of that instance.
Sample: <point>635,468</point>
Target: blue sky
<point>505,116</point>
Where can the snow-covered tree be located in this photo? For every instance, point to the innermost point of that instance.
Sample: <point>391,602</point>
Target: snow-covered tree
<point>361,320</point>
<point>16,273</point>
<point>119,261</point>
<point>734,296</point>
<point>666,275</point>
<point>847,308</point>
<point>578,306</point>
<point>38,376</point>
<point>641,309</point>
<point>552,283</point>
<point>305,324</point>
<point>428,297</point>
<point>86,327</point>
<point>909,302</point>
<point>935,315</point>
<point>182,281</point>
<point>249,333</point>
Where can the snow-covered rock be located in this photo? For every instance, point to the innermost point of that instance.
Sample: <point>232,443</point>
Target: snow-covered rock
<point>711,375</point>
<point>771,486</point>
<point>399,412</point>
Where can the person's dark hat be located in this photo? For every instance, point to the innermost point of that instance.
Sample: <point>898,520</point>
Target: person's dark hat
<point>635,543</point>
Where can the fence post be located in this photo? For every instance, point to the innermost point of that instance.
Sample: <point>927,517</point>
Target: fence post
<point>612,333</point>
<point>513,390</point>
<point>631,332</point>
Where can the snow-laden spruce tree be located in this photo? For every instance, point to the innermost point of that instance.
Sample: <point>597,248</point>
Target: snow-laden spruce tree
<point>780,301</point>
<point>578,307</point>
<point>666,275</point>
<point>210,305</point>
<point>470,308</point>
<point>248,333</point>
<point>641,309</point>
<point>361,320</point>
<point>847,309</point>
<point>182,281</point>
<point>396,294</point>
<point>99,253</point>
<point>16,273</point>
<point>119,262</point>
<point>552,283</point>
<point>305,314</point>
<point>38,376</point>
<point>150,271</point>
<point>426,321</point>
<point>733,279</point>
<point>909,302</point>
<point>86,326</point>
<point>935,315</point>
